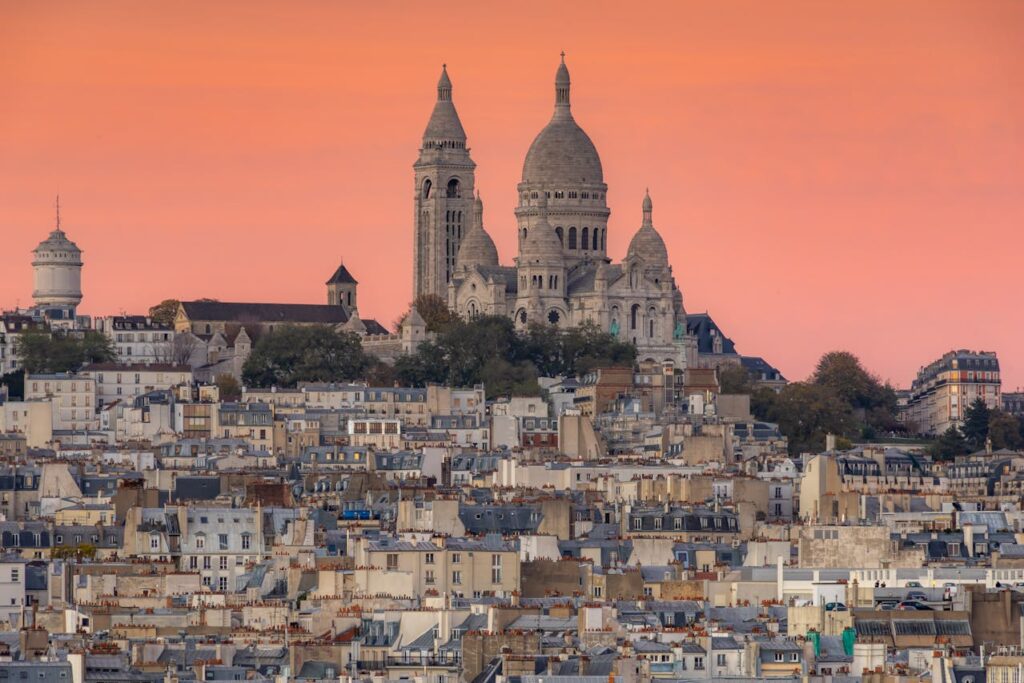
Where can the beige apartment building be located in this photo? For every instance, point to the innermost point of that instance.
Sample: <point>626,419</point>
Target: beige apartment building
<point>944,389</point>
<point>73,399</point>
<point>449,566</point>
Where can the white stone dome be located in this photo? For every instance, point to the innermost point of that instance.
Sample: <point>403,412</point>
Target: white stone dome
<point>647,243</point>
<point>562,154</point>
<point>477,248</point>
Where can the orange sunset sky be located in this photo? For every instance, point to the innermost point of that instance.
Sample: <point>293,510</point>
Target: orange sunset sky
<point>826,174</point>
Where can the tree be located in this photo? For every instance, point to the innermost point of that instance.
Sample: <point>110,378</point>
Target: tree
<point>182,348</point>
<point>43,352</point>
<point>308,353</point>
<point>949,445</point>
<point>874,403</point>
<point>976,419</point>
<point>228,387</point>
<point>734,379</point>
<point>805,413</point>
<point>434,311</point>
<point>1005,430</point>
<point>164,312</point>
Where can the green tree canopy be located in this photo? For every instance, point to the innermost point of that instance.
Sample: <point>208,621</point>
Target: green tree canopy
<point>488,349</point>
<point>949,445</point>
<point>43,352</point>
<point>976,419</point>
<point>735,379</point>
<point>1005,430</point>
<point>805,413</point>
<point>304,353</point>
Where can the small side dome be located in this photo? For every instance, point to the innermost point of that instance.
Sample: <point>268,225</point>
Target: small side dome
<point>477,248</point>
<point>541,243</point>
<point>647,244</point>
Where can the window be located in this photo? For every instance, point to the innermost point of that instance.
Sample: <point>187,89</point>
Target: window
<point>657,522</point>
<point>246,541</point>
<point>698,663</point>
<point>429,558</point>
<point>637,522</point>
<point>15,574</point>
<point>200,542</point>
<point>223,561</point>
<point>457,578</point>
<point>778,656</point>
<point>428,576</point>
<point>677,523</point>
<point>721,660</point>
<point>392,561</point>
<point>193,562</point>
<point>154,542</point>
<point>456,558</point>
<point>495,568</point>
<point>222,583</point>
<point>222,539</point>
<point>206,562</point>
<point>794,656</point>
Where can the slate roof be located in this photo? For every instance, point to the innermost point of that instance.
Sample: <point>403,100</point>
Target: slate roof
<point>268,313</point>
<point>342,276</point>
<point>705,329</point>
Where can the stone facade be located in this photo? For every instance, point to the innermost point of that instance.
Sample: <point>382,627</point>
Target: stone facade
<point>562,274</point>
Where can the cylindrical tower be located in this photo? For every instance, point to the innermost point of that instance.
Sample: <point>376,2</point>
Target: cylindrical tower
<point>57,267</point>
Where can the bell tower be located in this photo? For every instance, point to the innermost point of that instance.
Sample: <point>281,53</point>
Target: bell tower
<point>443,199</point>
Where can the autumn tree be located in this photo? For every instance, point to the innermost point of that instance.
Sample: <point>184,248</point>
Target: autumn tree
<point>228,387</point>
<point>164,312</point>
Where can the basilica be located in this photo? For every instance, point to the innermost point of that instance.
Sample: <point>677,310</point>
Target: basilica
<point>562,274</point>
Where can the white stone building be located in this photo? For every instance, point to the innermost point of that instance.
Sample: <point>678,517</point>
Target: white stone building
<point>562,275</point>
<point>73,399</point>
<point>125,381</point>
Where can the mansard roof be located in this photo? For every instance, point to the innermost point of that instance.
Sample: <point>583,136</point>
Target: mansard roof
<point>264,313</point>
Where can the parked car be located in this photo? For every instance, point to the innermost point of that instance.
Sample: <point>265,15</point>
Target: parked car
<point>914,584</point>
<point>886,605</point>
<point>912,605</point>
<point>835,607</point>
<point>919,596</point>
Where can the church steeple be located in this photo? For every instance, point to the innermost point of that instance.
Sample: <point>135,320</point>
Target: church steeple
<point>444,85</point>
<point>562,84</point>
<point>444,129</point>
<point>444,187</point>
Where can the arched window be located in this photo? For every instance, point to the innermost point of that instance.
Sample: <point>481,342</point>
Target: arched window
<point>604,237</point>
<point>553,317</point>
<point>454,189</point>
<point>524,233</point>
<point>427,186</point>
<point>596,241</point>
<point>472,309</point>
<point>585,239</point>
<point>572,238</point>
<point>561,237</point>
<point>522,316</point>
<point>634,315</point>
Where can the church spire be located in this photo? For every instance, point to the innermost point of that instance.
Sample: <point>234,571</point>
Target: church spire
<point>648,209</point>
<point>444,85</point>
<point>444,130</point>
<point>562,84</point>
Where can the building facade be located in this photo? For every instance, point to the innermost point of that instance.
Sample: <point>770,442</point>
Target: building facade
<point>562,274</point>
<point>944,388</point>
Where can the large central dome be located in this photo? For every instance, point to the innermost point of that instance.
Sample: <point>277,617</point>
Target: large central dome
<point>562,154</point>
